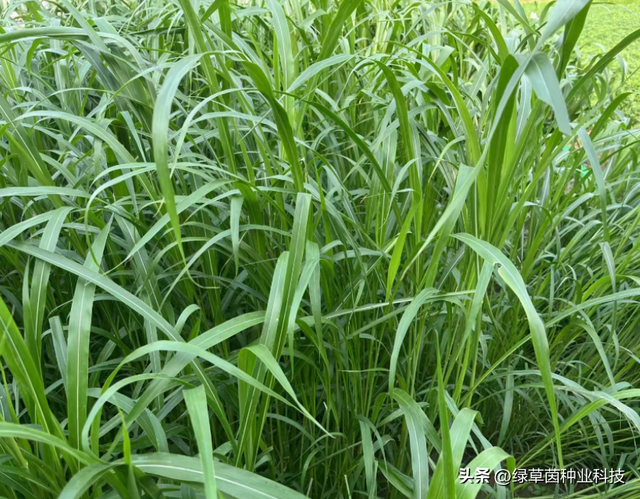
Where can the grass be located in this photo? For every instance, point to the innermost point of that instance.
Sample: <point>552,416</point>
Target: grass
<point>333,250</point>
<point>606,24</point>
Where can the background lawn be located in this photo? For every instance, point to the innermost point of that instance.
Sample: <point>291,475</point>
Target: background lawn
<point>607,24</point>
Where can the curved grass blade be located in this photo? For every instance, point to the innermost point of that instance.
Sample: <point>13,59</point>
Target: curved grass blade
<point>161,115</point>
<point>513,279</point>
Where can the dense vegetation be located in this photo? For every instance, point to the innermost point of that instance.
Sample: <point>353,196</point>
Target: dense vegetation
<point>320,249</point>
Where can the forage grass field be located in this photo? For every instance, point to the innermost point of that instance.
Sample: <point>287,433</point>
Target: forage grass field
<point>286,249</point>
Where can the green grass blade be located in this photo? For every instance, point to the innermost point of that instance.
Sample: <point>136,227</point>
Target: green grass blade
<point>79,342</point>
<point>513,279</point>
<point>161,114</point>
<point>197,407</point>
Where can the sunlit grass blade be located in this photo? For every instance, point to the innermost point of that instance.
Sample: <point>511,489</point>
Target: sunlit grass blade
<point>197,407</point>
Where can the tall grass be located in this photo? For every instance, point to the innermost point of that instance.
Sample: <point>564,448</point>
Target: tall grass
<point>320,249</point>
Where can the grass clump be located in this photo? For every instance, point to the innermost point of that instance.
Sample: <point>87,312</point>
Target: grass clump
<point>312,249</point>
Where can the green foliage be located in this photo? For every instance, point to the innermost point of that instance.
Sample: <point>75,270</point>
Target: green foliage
<point>327,250</point>
<point>606,24</point>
